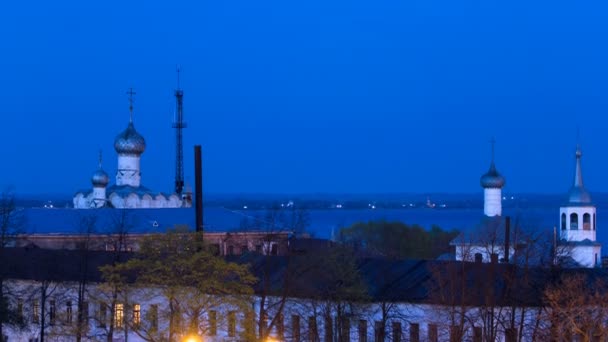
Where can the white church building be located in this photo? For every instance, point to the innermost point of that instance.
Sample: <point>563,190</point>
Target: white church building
<point>128,192</point>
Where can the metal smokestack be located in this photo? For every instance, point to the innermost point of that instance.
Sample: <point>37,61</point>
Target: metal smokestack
<point>198,187</point>
<point>507,238</point>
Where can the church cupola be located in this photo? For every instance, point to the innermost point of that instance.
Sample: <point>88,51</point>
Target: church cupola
<point>100,181</point>
<point>129,145</point>
<point>492,183</point>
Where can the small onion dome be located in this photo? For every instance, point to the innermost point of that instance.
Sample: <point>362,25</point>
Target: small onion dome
<point>100,178</point>
<point>129,141</point>
<point>492,179</point>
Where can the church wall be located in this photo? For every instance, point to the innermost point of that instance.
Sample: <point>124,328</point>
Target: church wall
<point>128,170</point>
<point>587,256</point>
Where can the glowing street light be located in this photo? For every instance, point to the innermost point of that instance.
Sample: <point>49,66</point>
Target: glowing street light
<point>192,338</point>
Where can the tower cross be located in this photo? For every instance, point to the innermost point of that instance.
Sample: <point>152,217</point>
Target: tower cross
<point>131,93</point>
<point>100,159</point>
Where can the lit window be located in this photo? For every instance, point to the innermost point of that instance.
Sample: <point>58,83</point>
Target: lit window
<point>136,315</point>
<point>118,315</point>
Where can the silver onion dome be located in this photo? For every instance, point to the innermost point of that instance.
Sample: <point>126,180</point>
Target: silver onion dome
<point>100,178</point>
<point>492,179</point>
<point>129,141</point>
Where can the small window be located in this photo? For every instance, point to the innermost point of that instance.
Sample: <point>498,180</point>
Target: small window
<point>455,334</point>
<point>36,312</point>
<point>102,315</point>
<point>231,250</point>
<point>379,331</point>
<point>586,221</point>
<point>511,335</point>
<point>595,264</point>
<point>396,331</point>
<point>231,324</point>
<point>68,312</point>
<point>153,316</point>
<point>136,315</point>
<point>573,221</point>
<point>414,332</point>
<point>280,324</point>
<point>432,332</point>
<point>477,334</point>
<point>362,330</point>
<point>344,329</point>
<point>295,327</point>
<point>274,249</point>
<point>313,333</point>
<point>329,328</point>
<point>20,309</point>
<point>85,313</point>
<point>212,323</point>
<point>249,323</point>
<point>563,221</point>
<point>52,312</point>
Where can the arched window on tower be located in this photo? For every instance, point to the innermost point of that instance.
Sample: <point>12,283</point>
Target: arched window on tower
<point>573,221</point>
<point>593,221</point>
<point>586,221</point>
<point>563,221</point>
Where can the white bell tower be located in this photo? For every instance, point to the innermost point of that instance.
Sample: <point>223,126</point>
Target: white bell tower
<point>578,222</point>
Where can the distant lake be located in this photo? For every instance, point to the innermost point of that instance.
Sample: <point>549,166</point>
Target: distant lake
<point>324,222</point>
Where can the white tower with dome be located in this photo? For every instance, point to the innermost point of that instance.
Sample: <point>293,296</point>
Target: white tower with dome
<point>492,183</point>
<point>578,223</point>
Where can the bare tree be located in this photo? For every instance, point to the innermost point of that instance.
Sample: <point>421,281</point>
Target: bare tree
<point>577,305</point>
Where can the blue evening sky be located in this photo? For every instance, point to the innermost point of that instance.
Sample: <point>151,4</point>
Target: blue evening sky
<point>308,96</point>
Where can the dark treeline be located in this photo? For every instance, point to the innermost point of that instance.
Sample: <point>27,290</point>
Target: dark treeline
<point>397,239</point>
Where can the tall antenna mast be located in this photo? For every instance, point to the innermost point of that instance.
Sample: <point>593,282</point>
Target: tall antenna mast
<point>179,124</point>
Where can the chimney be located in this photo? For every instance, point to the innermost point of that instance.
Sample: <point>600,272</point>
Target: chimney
<point>507,238</point>
<point>198,187</point>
